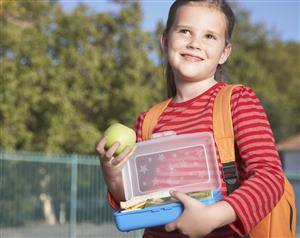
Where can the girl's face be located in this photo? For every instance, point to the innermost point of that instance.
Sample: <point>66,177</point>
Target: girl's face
<point>195,43</point>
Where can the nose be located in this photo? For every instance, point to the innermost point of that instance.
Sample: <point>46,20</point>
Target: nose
<point>194,43</point>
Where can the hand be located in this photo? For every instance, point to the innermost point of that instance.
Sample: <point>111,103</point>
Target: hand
<point>112,166</point>
<point>197,219</point>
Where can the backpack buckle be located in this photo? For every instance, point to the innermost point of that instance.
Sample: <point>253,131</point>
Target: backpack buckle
<point>230,176</point>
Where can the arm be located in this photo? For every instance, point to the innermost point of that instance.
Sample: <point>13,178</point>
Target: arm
<point>112,170</point>
<point>112,167</point>
<point>260,172</point>
<point>197,219</point>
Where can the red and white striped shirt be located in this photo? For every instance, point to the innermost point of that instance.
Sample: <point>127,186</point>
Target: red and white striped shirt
<point>259,168</point>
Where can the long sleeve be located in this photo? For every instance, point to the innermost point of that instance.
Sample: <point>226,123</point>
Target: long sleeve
<point>259,165</point>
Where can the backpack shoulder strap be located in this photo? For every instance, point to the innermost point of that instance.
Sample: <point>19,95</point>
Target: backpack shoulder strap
<point>224,136</point>
<point>222,124</point>
<point>151,118</point>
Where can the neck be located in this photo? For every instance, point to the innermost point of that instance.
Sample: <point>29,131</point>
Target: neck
<point>187,90</point>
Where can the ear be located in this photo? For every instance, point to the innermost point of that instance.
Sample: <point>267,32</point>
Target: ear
<point>163,42</point>
<point>225,54</point>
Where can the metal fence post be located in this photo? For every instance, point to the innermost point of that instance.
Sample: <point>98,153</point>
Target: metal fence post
<point>73,202</point>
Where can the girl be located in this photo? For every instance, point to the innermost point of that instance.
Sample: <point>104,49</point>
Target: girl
<point>196,43</point>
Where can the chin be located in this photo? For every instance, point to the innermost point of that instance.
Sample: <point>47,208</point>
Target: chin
<point>189,76</point>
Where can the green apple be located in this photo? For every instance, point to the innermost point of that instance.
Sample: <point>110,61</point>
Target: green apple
<point>122,134</point>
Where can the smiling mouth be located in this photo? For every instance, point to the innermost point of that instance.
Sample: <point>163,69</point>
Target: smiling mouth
<point>191,58</point>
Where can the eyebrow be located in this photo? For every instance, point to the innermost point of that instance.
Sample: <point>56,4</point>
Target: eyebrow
<point>206,30</point>
<point>183,26</point>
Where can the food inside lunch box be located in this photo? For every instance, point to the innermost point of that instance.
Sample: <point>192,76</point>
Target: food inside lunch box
<point>157,199</point>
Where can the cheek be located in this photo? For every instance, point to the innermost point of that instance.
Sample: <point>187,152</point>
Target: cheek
<point>170,55</point>
<point>172,46</point>
<point>215,52</point>
<point>172,49</point>
<point>176,43</point>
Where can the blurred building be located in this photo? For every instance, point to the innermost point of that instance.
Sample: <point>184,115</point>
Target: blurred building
<point>290,154</point>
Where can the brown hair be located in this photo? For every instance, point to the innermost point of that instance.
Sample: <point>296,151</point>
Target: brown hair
<point>220,5</point>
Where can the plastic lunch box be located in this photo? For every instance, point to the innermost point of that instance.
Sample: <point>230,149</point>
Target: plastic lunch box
<point>185,163</point>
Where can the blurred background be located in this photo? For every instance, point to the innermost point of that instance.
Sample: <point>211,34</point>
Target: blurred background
<point>70,68</point>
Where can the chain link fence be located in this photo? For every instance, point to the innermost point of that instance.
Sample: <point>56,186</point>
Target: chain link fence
<point>43,196</point>
<point>47,196</point>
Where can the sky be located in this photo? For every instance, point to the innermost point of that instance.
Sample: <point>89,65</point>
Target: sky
<point>279,16</point>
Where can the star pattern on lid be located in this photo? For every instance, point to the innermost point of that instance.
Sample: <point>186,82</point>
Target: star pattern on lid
<point>172,168</point>
<point>143,169</point>
<point>161,157</point>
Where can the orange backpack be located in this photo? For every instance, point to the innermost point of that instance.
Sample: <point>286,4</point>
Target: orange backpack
<point>281,221</point>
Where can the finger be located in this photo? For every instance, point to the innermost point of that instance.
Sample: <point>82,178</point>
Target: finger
<point>124,156</point>
<point>181,197</point>
<point>101,146</point>
<point>121,156</point>
<point>171,226</point>
<point>110,152</point>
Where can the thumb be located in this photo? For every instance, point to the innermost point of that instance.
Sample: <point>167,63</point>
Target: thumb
<point>184,199</point>
<point>171,226</point>
<point>181,197</point>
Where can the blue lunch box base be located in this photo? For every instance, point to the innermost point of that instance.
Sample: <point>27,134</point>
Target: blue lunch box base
<point>155,216</point>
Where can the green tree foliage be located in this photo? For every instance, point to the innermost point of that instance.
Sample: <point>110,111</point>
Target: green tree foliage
<point>66,76</point>
<point>271,68</point>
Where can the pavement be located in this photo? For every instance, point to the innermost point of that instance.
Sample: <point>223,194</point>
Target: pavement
<point>83,230</point>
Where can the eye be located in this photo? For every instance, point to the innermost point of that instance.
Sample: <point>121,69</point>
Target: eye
<point>211,37</point>
<point>184,31</point>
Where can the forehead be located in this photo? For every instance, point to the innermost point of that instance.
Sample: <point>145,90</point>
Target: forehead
<point>201,17</point>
